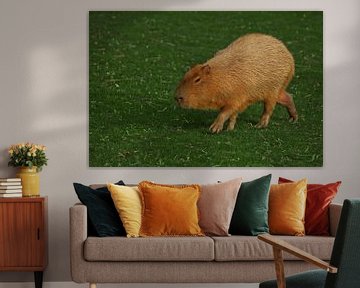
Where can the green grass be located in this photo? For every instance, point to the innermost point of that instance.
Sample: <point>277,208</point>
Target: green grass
<point>136,60</point>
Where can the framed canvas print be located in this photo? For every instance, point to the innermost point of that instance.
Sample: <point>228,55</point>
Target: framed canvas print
<point>206,89</point>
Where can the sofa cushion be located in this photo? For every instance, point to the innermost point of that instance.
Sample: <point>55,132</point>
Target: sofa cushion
<point>245,248</point>
<point>149,249</point>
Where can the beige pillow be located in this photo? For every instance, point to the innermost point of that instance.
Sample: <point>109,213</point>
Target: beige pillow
<point>216,206</point>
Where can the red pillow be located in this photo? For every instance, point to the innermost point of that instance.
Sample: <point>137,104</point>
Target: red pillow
<point>319,197</point>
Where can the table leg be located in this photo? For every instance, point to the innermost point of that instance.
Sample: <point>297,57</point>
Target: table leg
<point>38,279</point>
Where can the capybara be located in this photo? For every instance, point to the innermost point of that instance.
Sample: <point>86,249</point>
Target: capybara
<point>255,67</point>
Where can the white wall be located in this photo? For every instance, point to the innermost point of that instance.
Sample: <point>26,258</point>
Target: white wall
<point>44,99</point>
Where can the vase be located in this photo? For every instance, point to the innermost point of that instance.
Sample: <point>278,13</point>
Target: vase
<point>30,181</point>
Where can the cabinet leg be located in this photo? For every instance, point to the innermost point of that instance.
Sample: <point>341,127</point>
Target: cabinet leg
<point>38,279</point>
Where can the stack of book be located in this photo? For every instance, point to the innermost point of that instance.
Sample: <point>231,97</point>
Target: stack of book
<point>10,187</point>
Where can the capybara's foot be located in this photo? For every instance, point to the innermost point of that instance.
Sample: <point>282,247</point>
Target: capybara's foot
<point>223,116</point>
<point>216,127</point>
<point>230,127</point>
<point>262,124</point>
<point>293,119</point>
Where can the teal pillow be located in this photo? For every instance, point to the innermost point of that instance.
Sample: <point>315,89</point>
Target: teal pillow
<point>250,216</point>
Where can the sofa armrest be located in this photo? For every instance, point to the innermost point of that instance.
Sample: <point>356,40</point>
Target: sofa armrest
<point>78,235</point>
<point>334,217</point>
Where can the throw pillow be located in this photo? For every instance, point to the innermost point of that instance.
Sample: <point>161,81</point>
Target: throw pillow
<point>102,215</point>
<point>216,206</point>
<point>287,204</point>
<point>250,215</point>
<point>127,201</point>
<point>169,210</point>
<point>319,197</point>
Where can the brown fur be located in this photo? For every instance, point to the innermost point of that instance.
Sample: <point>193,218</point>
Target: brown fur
<point>253,68</point>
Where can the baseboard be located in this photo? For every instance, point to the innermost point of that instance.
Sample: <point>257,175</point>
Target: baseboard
<point>74,285</point>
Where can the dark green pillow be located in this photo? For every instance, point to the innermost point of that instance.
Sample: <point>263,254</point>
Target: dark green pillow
<point>250,216</point>
<point>103,218</point>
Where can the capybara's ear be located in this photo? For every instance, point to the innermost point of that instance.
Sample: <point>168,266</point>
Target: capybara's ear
<point>206,69</point>
<point>195,66</point>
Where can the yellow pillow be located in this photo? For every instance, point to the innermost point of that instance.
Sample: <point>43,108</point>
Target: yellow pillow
<point>287,204</point>
<point>127,201</point>
<point>169,210</point>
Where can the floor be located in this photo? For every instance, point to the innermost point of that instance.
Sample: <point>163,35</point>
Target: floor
<point>74,285</point>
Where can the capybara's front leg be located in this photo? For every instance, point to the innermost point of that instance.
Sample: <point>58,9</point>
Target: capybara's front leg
<point>269,106</point>
<point>232,121</point>
<point>223,116</point>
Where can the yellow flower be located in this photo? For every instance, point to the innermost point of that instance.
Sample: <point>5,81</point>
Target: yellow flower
<point>27,152</point>
<point>41,147</point>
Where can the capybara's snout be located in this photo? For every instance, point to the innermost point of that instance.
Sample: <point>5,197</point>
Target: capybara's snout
<point>179,98</point>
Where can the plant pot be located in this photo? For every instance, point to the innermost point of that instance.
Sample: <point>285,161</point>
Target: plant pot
<point>30,181</point>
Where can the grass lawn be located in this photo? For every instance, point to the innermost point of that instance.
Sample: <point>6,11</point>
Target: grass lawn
<point>136,60</point>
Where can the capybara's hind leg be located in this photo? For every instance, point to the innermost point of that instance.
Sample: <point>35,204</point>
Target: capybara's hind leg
<point>285,99</point>
<point>269,106</point>
<point>223,116</point>
<point>232,121</point>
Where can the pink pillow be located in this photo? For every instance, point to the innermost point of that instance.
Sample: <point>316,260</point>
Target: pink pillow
<point>216,206</point>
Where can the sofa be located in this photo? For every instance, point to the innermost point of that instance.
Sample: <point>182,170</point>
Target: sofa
<point>233,259</point>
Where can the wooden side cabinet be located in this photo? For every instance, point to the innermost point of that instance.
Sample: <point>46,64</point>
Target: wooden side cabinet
<point>23,235</point>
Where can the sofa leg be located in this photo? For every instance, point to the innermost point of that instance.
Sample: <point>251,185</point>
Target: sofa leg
<point>92,285</point>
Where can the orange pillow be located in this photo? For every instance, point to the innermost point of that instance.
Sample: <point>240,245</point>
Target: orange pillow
<point>169,210</point>
<point>287,204</point>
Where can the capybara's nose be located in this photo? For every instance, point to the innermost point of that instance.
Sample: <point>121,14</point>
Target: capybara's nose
<point>178,98</point>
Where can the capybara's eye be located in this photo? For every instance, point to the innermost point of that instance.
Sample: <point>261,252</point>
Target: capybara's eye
<point>197,80</point>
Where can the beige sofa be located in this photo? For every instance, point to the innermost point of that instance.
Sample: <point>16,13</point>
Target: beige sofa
<point>234,259</point>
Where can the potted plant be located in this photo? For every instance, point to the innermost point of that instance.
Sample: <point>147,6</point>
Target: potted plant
<point>30,158</point>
